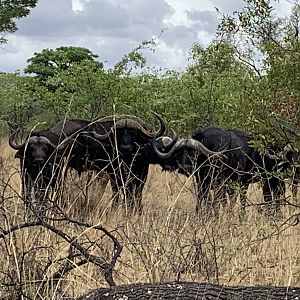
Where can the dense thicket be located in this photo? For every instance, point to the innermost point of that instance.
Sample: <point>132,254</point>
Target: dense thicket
<point>247,78</point>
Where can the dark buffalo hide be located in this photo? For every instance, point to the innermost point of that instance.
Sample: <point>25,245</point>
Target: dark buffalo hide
<point>122,147</point>
<point>235,161</point>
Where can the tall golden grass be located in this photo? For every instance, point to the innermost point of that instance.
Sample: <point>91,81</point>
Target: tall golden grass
<point>166,242</point>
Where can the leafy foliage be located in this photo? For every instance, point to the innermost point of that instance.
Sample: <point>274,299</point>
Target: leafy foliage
<point>10,10</point>
<point>18,107</point>
<point>50,62</point>
<point>247,78</point>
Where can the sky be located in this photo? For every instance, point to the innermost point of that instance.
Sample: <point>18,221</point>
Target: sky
<point>111,28</point>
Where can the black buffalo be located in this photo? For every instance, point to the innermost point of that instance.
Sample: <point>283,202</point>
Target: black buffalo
<point>123,148</point>
<point>237,161</point>
<point>43,151</point>
<point>131,154</point>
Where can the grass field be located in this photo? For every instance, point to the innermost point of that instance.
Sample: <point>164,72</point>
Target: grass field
<point>166,242</point>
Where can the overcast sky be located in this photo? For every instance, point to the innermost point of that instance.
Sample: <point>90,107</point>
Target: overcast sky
<point>111,28</point>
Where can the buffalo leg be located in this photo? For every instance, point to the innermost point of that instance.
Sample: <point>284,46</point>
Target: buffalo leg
<point>134,191</point>
<point>204,202</point>
<point>34,191</point>
<point>115,192</point>
<point>294,188</point>
<point>273,192</point>
<point>243,198</point>
<point>134,195</point>
<point>27,187</point>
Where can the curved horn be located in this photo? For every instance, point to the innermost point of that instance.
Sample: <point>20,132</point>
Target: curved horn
<point>165,142</point>
<point>169,142</point>
<point>141,125</point>
<point>200,147</point>
<point>12,142</point>
<point>162,129</point>
<point>180,143</point>
<point>119,124</point>
<point>45,140</point>
<point>196,145</point>
<point>130,123</point>
<point>272,156</point>
<point>277,156</point>
<point>100,136</point>
<point>33,139</point>
<point>120,117</point>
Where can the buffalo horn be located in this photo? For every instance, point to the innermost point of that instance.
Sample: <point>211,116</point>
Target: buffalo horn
<point>200,147</point>
<point>277,156</point>
<point>185,143</point>
<point>132,124</point>
<point>32,140</point>
<point>165,155</point>
<point>162,128</point>
<point>169,142</point>
<point>46,141</point>
<point>271,156</point>
<point>12,142</point>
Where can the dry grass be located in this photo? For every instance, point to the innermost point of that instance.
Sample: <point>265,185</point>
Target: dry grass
<point>167,242</point>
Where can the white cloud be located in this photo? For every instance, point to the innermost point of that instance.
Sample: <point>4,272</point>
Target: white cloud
<point>182,7</point>
<point>111,28</point>
<point>283,8</point>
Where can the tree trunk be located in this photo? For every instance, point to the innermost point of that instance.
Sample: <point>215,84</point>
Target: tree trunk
<point>192,290</point>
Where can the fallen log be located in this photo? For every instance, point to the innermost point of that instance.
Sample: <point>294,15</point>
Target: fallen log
<point>192,290</point>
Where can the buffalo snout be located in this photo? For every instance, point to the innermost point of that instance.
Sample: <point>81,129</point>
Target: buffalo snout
<point>126,148</point>
<point>38,161</point>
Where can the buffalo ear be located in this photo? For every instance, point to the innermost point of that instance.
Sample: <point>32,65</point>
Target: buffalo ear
<point>19,154</point>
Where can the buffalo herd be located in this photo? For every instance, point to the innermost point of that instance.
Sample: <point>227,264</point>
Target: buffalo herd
<point>125,147</point>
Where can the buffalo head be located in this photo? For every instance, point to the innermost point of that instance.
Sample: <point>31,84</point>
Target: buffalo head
<point>183,155</point>
<point>36,149</point>
<point>130,135</point>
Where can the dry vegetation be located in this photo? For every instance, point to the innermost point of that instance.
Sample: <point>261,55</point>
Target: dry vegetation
<point>167,242</point>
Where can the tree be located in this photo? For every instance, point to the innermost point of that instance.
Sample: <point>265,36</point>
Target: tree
<point>283,67</point>
<point>17,106</point>
<point>52,61</point>
<point>10,10</point>
<point>79,91</point>
<point>268,45</point>
<point>217,83</point>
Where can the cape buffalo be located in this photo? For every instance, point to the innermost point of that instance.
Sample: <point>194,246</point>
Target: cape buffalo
<point>42,153</point>
<point>123,148</point>
<point>238,161</point>
<point>132,153</point>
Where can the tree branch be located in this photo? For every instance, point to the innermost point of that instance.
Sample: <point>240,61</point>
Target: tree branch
<point>192,290</point>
